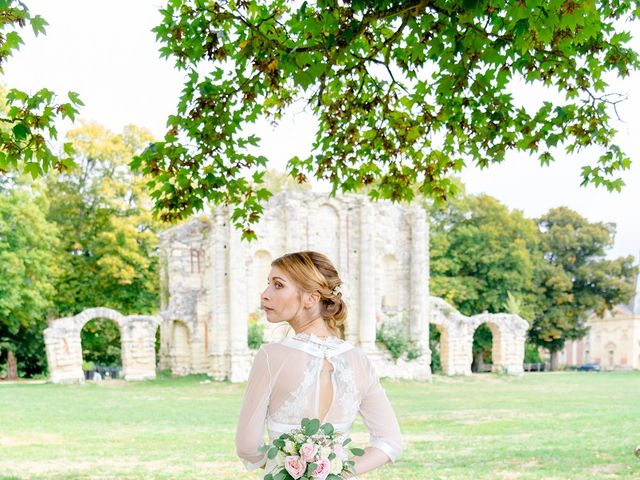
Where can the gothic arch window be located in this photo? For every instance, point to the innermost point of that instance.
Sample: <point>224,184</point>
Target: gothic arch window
<point>196,260</point>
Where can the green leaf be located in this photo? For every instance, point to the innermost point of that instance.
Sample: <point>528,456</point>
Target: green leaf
<point>75,98</point>
<point>327,428</point>
<point>38,25</point>
<point>20,131</point>
<point>12,41</point>
<point>33,168</point>
<point>312,427</point>
<point>358,452</point>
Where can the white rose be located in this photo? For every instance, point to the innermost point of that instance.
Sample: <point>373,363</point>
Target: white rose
<point>336,466</point>
<point>290,447</point>
<point>279,459</point>
<point>324,452</point>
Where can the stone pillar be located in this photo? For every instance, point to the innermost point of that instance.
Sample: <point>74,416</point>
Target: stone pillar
<point>367,298</point>
<point>64,353</point>
<point>138,348</point>
<point>419,319</point>
<point>512,337</point>
<point>219,367</point>
<point>456,342</point>
<point>237,301</point>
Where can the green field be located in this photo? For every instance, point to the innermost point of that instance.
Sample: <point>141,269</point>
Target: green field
<point>539,426</point>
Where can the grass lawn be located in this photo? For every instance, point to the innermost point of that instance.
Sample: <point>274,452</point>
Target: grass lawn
<point>539,426</point>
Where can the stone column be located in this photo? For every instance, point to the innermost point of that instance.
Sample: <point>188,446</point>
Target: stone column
<point>138,348</point>
<point>64,352</point>
<point>513,332</point>
<point>218,280</point>
<point>367,275</point>
<point>237,301</point>
<point>419,319</point>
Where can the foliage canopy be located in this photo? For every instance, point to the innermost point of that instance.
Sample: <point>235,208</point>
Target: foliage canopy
<point>404,92</point>
<point>28,123</point>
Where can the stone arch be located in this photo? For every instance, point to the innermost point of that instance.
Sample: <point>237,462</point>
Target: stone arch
<point>508,331</point>
<point>104,327</point>
<point>444,345</point>
<point>496,344</point>
<point>323,232</point>
<point>456,337</point>
<point>64,349</point>
<point>180,336</point>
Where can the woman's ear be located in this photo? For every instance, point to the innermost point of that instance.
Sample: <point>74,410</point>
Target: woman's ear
<point>311,299</point>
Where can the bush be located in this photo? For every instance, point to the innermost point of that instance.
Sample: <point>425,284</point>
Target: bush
<point>393,334</point>
<point>255,336</point>
<point>88,366</point>
<point>434,345</point>
<point>531,353</point>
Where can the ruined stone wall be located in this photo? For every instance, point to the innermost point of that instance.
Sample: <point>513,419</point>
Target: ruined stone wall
<point>379,249</point>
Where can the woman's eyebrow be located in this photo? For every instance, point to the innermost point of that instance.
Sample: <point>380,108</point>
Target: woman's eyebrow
<point>278,278</point>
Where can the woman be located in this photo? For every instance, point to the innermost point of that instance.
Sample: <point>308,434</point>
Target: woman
<point>314,374</point>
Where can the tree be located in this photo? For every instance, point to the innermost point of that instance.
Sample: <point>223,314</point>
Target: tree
<point>405,92</point>
<point>29,121</point>
<point>109,241</point>
<point>481,254</point>
<point>27,273</point>
<point>483,258</point>
<point>576,279</point>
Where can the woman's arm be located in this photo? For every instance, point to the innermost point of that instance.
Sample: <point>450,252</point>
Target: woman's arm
<point>250,428</point>
<point>384,431</point>
<point>373,458</point>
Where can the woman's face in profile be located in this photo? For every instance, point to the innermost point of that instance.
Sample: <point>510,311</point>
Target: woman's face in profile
<point>281,299</point>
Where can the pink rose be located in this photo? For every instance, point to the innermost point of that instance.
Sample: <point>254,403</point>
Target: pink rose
<point>295,466</point>
<point>308,451</point>
<point>322,469</point>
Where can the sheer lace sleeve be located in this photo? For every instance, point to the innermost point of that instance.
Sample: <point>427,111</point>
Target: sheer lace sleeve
<point>250,429</point>
<point>379,417</point>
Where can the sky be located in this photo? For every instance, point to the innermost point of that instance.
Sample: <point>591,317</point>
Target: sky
<point>106,52</point>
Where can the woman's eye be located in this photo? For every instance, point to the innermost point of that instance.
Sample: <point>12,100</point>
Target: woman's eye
<point>278,285</point>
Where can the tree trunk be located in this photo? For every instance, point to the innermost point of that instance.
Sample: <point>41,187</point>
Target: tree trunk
<point>554,360</point>
<point>478,362</point>
<point>12,366</point>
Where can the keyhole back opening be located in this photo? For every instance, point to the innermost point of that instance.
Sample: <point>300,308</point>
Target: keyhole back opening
<point>325,397</point>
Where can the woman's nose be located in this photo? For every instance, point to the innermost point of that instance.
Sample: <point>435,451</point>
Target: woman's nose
<point>264,295</point>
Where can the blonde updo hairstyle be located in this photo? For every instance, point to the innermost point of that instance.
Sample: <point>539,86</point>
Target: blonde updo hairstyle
<point>314,272</point>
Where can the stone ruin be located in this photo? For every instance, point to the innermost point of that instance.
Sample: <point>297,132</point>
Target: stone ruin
<point>137,334</point>
<point>456,338</point>
<point>211,282</point>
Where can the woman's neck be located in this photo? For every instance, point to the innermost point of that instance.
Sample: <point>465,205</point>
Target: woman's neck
<point>317,327</point>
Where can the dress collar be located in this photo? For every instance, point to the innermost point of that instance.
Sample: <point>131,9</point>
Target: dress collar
<point>320,347</point>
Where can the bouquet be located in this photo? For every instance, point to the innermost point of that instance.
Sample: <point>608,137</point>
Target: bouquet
<point>311,452</point>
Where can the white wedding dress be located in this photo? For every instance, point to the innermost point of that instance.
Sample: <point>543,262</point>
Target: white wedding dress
<point>287,384</point>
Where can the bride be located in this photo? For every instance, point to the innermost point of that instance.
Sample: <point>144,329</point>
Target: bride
<point>315,373</point>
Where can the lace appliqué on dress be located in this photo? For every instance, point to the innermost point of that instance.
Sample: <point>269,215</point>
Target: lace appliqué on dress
<point>289,411</point>
<point>348,399</point>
